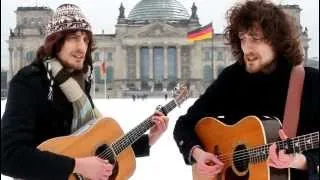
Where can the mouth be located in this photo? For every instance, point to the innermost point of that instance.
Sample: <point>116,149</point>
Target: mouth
<point>251,59</point>
<point>79,57</point>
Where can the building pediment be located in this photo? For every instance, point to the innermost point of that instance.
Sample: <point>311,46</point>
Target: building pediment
<point>157,30</point>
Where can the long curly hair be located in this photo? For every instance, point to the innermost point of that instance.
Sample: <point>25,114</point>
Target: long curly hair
<point>275,25</point>
<point>53,44</point>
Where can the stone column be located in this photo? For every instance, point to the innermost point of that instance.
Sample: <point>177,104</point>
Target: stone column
<point>305,54</point>
<point>213,64</point>
<point>124,53</point>
<point>151,62</point>
<point>10,73</point>
<point>179,62</point>
<point>165,62</point>
<point>21,59</point>
<point>137,62</point>
<point>15,61</point>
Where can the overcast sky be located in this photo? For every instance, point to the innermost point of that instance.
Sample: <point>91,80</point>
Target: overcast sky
<point>103,16</point>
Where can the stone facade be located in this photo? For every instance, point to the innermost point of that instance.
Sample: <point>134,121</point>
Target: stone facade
<point>143,57</point>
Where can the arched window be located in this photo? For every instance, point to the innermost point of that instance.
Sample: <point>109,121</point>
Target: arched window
<point>207,73</point>
<point>158,60</point>
<point>97,75</point>
<point>220,69</point>
<point>30,55</point>
<point>96,56</point>
<point>110,73</point>
<point>109,56</point>
<point>172,63</point>
<point>144,63</point>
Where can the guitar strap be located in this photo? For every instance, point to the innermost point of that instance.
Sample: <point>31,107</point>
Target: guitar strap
<point>292,108</point>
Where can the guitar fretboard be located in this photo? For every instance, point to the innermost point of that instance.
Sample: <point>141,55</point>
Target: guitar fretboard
<point>134,134</point>
<point>294,145</point>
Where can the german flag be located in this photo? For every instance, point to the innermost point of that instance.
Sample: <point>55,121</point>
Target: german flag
<point>202,33</point>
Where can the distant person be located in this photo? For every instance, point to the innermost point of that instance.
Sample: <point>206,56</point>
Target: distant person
<point>40,105</point>
<point>266,48</point>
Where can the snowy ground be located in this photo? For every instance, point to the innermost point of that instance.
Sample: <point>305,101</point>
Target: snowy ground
<point>165,161</point>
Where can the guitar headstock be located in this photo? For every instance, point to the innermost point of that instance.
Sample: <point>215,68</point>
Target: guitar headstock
<point>181,92</point>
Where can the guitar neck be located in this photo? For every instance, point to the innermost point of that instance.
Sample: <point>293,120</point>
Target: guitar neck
<point>135,133</point>
<point>293,145</point>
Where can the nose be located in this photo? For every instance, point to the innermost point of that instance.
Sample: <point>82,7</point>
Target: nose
<point>82,45</point>
<point>246,46</point>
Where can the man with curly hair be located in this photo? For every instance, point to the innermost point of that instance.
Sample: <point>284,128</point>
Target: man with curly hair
<point>266,48</point>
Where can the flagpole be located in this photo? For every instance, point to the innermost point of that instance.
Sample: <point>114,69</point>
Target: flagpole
<point>105,87</point>
<point>212,54</point>
<point>105,79</point>
<point>94,83</point>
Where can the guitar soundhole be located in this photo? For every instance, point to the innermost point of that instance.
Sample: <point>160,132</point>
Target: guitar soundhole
<point>105,152</point>
<point>241,158</point>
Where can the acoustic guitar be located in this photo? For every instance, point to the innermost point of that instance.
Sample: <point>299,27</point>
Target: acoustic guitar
<point>105,138</point>
<point>244,147</point>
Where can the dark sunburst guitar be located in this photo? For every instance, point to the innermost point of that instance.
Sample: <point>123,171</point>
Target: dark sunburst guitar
<point>244,147</point>
<point>105,138</point>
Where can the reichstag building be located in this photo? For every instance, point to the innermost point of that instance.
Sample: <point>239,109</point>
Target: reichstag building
<point>147,55</point>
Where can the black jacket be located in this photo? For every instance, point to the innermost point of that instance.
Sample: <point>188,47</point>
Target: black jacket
<point>29,119</point>
<point>236,94</point>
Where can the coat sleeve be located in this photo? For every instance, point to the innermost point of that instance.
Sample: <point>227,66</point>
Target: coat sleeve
<point>141,146</point>
<point>208,105</point>
<point>308,123</point>
<point>312,115</point>
<point>313,164</point>
<point>19,156</point>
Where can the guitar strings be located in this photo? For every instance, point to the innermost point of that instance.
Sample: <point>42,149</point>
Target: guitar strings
<point>244,154</point>
<point>239,162</point>
<point>241,155</point>
<point>118,145</point>
<point>254,159</point>
<point>107,153</point>
<point>123,140</point>
<point>241,152</point>
<point>294,141</point>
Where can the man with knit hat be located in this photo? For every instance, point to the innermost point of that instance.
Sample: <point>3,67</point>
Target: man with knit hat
<point>44,102</point>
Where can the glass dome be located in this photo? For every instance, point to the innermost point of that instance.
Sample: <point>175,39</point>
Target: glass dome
<point>158,10</point>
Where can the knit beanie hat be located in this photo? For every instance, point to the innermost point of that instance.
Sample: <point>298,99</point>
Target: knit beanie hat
<point>67,17</point>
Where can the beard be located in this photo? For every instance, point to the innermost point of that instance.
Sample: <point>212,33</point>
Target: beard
<point>260,66</point>
<point>77,66</point>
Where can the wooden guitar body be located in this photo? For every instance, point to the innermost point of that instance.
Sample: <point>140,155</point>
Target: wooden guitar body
<point>92,142</point>
<point>104,138</point>
<point>225,140</point>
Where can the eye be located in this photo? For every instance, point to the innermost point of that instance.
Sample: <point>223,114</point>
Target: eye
<point>257,38</point>
<point>242,39</point>
<point>86,40</point>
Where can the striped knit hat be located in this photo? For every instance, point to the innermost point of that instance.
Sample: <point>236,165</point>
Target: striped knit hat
<point>67,17</point>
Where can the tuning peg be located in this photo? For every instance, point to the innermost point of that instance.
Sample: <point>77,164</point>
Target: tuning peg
<point>158,108</point>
